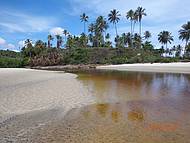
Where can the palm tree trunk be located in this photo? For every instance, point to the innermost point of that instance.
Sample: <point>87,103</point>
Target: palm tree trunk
<point>131,34</point>
<point>116,29</point>
<point>140,28</point>
<point>84,29</point>
<point>131,27</point>
<point>48,43</point>
<point>134,27</point>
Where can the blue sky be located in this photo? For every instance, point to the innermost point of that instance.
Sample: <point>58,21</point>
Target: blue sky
<point>35,19</point>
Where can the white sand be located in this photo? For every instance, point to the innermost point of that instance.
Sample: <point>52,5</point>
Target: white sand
<point>156,67</point>
<point>26,90</point>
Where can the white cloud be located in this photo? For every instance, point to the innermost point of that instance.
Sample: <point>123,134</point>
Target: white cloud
<point>21,43</point>
<point>10,46</point>
<point>2,41</point>
<point>4,45</point>
<point>56,31</point>
<point>17,22</point>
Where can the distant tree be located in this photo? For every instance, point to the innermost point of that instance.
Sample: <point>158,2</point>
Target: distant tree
<point>165,37</point>
<point>130,16</point>
<point>65,32</point>
<point>50,38</point>
<point>137,40</point>
<point>59,40</point>
<point>39,44</point>
<point>28,43</point>
<point>140,13</point>
<point>84,19</point>
<point>147,35</point>
<point>113,17</point>
<point>184,33</point>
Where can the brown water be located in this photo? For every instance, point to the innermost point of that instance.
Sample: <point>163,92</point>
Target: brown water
<point>132,107</point>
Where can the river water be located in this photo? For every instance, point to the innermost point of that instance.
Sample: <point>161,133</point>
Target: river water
<point>133,107</point>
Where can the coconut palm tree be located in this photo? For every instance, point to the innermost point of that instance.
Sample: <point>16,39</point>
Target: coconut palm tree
<point>91,28</point>
<point>147,35</point>
<point>135,20</point>
<point>184,33</point>
<point>84,19</point>
<point>140,13</point>
<point>113,17</point>
<point>130,16</point>
<point>65,32</point>
<point>165,37</point>
<point>50,38</point>
<point>101,26</point>
<point>59,40</point>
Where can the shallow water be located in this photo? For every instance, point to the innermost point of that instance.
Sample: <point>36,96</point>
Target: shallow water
<point>131,107</point>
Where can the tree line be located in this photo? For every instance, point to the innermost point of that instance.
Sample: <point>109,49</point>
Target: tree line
<point>97,35</point>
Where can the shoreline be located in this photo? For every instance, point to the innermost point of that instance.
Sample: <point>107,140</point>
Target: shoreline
<point>28,90</point>
<point>183,68</point>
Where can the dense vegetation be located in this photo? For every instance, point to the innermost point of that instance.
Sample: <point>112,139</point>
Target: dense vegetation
<point>96,47</point>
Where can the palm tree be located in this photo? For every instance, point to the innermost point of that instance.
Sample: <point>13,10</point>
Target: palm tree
<point>113,17</point>
<point>140,13</point>
<point>135,20</point>
<point>184,33</point>
<point>147,35</point>
<point>91,28</point>
<point>130,16</point>
<point>165,37</point>
<point>28,43</point>
<point>107,37</point>
<point>65,32</point>
<point>101,26</point>
<point>137,40</point>
<point>84,19</point>
<point>50,38</point>
<point>59,40</point>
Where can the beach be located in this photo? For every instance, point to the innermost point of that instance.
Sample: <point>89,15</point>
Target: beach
<point>31,98</point>
<point>155,67</point>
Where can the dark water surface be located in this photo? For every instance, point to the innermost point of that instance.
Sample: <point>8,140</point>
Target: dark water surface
<point>132,107</point>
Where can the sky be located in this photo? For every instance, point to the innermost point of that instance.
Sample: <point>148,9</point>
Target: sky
<point>35,19</point>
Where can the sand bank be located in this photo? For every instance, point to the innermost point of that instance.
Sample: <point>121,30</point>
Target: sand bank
<point>156,67</point>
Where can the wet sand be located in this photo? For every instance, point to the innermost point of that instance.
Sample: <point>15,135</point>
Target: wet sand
<point>156,67</point>
<point>31,98</point>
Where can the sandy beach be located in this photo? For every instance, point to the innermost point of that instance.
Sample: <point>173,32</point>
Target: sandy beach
<point>31,98</point>
<point>156,67</point>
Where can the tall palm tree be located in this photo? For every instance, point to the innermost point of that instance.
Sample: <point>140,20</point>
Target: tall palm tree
<point>101,26</point>
<point>184,33</point>
<point>135,20</point>
<point>140,13</point>
<point>113,17</point>
<point>147,35</point>
<point>50,38</point>
<point>84,19</point>
<point>130,16</point>
<point>165,37</point>
<point>59,40</point>
<point>65,32</point>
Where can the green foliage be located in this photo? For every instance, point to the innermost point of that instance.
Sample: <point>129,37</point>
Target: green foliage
<point>6,62</point>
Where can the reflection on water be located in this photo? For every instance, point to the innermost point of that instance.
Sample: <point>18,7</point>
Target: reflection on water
<point>131,107</point>
<point>114,86</point>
